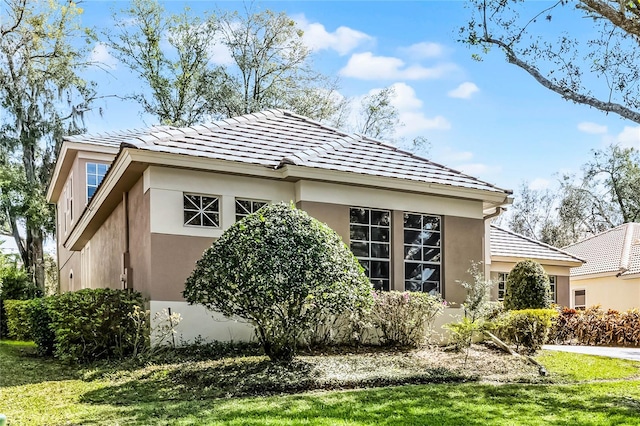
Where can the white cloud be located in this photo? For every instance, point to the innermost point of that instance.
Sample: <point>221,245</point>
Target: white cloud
<point>100,56</point>
<point>463,91</point>
<point>366,66</point>
<point>539,183</point>
<point>629,137</point>
<point>343,40</point>
<point>423,50</point>
<point>592,128</point>
<point>410,114</point>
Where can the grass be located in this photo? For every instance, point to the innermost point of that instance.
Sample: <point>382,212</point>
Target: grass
<point>34,391</point>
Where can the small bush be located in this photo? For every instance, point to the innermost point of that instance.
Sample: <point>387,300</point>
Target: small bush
<point>527,328</point>
<point>404,318</point>
<point>284,272</point>
<point>40,325</point>
<point>94,323</point>
<point>17,316</point>
<point>527,287</point>
<point>14,285</point>
<point>594,326</point>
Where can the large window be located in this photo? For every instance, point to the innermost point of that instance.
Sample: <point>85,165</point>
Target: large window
<point>201,210</point>
<point>370,235</point>
<point>95,174</point>
<point>246,207</point>
<point>502,285</point>
<point>552,285</point>
<point>422,253</point>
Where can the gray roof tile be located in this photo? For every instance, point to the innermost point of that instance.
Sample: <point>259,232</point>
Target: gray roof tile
<point>509,244</point>
<point>275,138</point>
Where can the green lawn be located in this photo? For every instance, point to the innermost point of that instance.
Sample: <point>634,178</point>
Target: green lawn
<point>44,392</point>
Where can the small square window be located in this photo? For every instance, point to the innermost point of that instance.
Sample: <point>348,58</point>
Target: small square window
<point>245,207</point>
<point>201,210</point>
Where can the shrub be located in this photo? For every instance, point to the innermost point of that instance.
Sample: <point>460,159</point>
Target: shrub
<point>527,287</point>
<point>40,325</point>
<point>18,319</point>
<point>283,271</point>
<point>477,309</point>
<point>14,285</point>
<point>527,328</point>
<point>404,318</point>
<point>594,326</point>
<point>94,323</point>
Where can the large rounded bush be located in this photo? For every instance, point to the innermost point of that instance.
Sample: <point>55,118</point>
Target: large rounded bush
<point>527,287</point>
<point>281,270</point>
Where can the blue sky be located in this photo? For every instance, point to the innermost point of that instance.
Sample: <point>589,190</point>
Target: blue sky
<point>489,119</point>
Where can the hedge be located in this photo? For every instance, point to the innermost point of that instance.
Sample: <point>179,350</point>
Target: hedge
<point>594,326</point>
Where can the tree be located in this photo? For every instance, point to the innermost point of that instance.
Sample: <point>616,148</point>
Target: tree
<point>174,56</point>
<point>378,116</point>
<point>527,287</point>
<point>42,98</point>
<point>282,271</point>
<point>563,63</point>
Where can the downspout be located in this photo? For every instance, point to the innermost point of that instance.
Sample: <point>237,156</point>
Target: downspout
<point>125,277</point>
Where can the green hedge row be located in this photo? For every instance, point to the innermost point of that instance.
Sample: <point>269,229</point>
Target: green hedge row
<point>81,326</point>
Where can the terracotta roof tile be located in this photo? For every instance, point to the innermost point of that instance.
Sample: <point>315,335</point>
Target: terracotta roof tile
<point>616,250</point>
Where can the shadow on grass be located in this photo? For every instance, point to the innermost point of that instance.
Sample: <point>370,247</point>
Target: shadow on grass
<point>468,404</point>
<point>20,365</point>
<point>249,376</point>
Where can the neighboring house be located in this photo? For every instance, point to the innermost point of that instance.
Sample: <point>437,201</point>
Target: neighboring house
<point>135,210</point>
<point>611,275</point>
<point>508,248</point>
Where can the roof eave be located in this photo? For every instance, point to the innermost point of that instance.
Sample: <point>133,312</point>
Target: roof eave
<point>542,261</point>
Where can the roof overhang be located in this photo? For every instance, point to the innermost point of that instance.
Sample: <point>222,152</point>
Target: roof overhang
<point>65,161</point>
<point>552,262</point>
<point>130,164</point>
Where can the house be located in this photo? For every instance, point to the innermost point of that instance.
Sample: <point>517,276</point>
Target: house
<point>611,275</point>
<point>508,248</point>
<point>136,209</point>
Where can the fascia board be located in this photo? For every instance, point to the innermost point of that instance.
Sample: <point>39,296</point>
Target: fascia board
<point>301,172</point>
<point>551,262</point>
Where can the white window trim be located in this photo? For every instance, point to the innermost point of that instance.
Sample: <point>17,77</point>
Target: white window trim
<point>86,176</point>
<point>422,262</point>
<point>219,212</point>
<point>573,298</point>
<point>375,259</point>
<point>242,215</point>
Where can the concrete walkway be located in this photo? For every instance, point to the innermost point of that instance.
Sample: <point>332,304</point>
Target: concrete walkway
<point>624,353</point>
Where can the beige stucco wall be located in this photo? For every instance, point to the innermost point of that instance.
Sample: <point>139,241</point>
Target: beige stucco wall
<point>336,216</point>
<point>561,273</point>
<point>463,243</point>
<point>139,240</point>
<point>106,247</point>
<point>609,292</point>
<point>72,265</point>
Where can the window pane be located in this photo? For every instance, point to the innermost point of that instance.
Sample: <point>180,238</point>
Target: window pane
<point>430,272</point>
<point>412,221</point>
<point>357,232</point>
<point>90,191</point>
<point>209,204</point>
<point>380,217</point>
<point>191,202</point>
<point>412,237</point>
<point>102,169</point>
<point>431,287</point>
<point>431,254</point>
<point>257,205</point>
<point>431,223</point>
<point>191,218</point>
<point>380,285</point>
<point>412,286</point>
<point>359,216</point>
<point>413,272</point>
<point>360,249</point>
<point>210,219</point>
<point>379,269</point>
<point>92,180</point>
<point>380,251</point>
<point>365,265</point>
<point>91,168</point>
<point>379,234</point>
<point>580,298</point>
<point>412,253</point>
<point>431,239</point>
<point>243,207</point>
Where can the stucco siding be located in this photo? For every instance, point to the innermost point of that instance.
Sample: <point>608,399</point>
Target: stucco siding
<point>139,240</point>
<point>106,248</point>
<point>462,243</point>
<point>70,273</point>
<point>334,215</point>
<point>609,292</point>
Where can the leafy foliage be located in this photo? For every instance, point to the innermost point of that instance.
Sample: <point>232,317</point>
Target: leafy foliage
<point>94,323</point>
<point>14,285</point>
<point>594,326</point>
<point>527,328</point>
<point>404,318</point>
<point>527,287</point>
<point>281,270</point>
<point>43,98</point>
<point>17,318</point>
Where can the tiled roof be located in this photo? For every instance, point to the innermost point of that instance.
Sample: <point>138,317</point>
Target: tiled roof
<point>616,250</point>
<point>509,244</point>
<point>275,138</point>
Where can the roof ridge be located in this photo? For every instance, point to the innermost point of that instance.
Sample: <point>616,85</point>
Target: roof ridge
<point>300,157</point>
<point>626,247</point>
<point>537,242</point>
<point>596,235</point>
